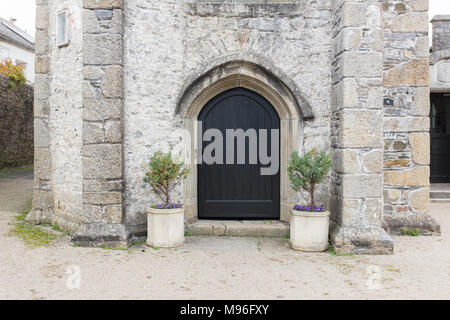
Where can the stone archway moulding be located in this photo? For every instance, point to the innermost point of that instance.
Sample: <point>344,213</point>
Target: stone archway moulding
<point>252,73</point>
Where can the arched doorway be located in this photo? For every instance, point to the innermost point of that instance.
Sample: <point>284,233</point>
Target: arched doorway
<point>259,76</point>
<point>235,186</point>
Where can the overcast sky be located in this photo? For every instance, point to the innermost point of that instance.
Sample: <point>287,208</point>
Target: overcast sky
<point>24,11</point>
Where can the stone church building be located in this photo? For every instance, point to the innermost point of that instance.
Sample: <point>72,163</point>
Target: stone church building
<point>117,80</point>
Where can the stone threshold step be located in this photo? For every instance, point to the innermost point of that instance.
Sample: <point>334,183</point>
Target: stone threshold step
<point>440,200</point>
<point>244,228</point>
<point>440,194</point>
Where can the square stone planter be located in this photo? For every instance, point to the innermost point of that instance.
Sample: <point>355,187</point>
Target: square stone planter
<point>165,227</point>
<point>309,230</point>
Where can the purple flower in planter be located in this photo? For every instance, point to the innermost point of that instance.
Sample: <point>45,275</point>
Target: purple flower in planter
<point>309,208</point>
<point>168,206</point>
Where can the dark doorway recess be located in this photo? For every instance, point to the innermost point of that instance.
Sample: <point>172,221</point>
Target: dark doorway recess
<point>440,137</point>
<point>238,191</point>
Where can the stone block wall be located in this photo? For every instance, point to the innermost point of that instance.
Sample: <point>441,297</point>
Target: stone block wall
<point>440,55</point>
<point>441,33</point>
<point>16,124</point>
<point>108,100</point>
<point>406,115</point>
<point>357,122</point>
<point>169,44</point>
<point>43,203</point>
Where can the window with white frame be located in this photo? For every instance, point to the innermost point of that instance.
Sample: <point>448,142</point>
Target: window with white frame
<point>62,34</point>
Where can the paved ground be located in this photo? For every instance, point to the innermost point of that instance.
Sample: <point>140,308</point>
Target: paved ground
<point>215,268</point>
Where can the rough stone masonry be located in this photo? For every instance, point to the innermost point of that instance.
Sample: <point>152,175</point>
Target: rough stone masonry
<point>350,77</point>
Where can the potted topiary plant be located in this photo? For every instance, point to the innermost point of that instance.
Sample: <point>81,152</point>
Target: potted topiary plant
<point>165,221</point>
<point>309,224</point>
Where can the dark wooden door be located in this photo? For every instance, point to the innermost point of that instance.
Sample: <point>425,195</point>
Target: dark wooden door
<point>238,191</point>
<point>440,138</point>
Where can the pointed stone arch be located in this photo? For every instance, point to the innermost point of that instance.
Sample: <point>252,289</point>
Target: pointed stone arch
<point>248,71</point>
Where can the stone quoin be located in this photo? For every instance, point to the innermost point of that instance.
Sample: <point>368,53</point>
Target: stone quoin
<point>348,77</point>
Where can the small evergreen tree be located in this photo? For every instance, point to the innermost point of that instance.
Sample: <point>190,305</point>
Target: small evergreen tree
<point>306,172</point>
<point>164,175</point>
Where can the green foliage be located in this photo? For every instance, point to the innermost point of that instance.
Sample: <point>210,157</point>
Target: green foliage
<point>8,171</point>
<point>410,232</point>
<point>164,175</point>
<point>15,73</point>
<point>306,172</point>
<point>31,235</point>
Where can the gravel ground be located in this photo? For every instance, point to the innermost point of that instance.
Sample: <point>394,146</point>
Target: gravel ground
<point>215,268</point>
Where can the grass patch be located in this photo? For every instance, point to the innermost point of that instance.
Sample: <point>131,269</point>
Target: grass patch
<point>114,249</point>
<point>31,235</point>
<point>7,171</point>
<point>137,243</point>
<point>258,245</point>
<point>187,234</point>
<point>58,229</point>
<point>286,237</point>
<point>410,232</point>
<point>333,253</point>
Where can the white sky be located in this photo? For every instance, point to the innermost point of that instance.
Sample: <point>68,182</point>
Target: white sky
<point>24,11</point>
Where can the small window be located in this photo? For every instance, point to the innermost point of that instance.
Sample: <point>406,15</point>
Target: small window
<point>62,35</point>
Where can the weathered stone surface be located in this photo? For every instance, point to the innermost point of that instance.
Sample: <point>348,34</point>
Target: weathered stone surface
<point>373,161</point>
<point>102,161</point>
<point>361,129</point>
<point>392,195</point>
<point>421,102</point>
<point>418,176</point>
<point>111,83</point>
<point>360,240</point>
<point>368,64</point>
<point>406,124</point>
<point>426,224</point>
<point>103,21</point>
<point>113,131</point>
<point>102,235</point>
<point>411,22</point>
<point>41,87</point>
<point>238,228</point>
<point>420,147</point>
<point>101,198</point>
<point>361,186</point>
<point>42,163</point>
<point>41,17</point>
<point>347,161</point>
<point>397,163</point>
<point>41,42</point>
<point>41,133</point>
<point>102,4</point>
<point>92,185</point>
<point>42,64</point>
<point>412,73</point>
<point>104,109</point>
<point>420,200</point>
<point>104,49</point>
<point>113,213</point>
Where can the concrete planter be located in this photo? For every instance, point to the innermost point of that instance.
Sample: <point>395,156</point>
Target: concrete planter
<point>309,230</point>
<point>165,227</point>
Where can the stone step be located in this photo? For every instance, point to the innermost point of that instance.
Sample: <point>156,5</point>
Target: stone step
<point>245,228</point>
<point>440,200</point>
<point>440,194</point>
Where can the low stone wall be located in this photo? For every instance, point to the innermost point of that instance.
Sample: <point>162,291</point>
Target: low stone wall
<point>16,124</point>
